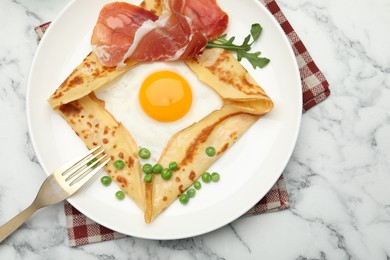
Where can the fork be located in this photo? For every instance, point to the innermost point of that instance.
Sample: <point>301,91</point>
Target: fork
<point>58,186</point>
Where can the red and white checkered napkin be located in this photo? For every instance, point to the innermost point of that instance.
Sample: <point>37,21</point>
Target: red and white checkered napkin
<point>82,230</point>
<point>315,87</point>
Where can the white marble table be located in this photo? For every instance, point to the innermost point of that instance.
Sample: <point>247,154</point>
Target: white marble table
<point>338,177</point>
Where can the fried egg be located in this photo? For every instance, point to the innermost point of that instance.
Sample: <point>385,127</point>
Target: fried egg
<point>156,100</point>
<point>165,96</point>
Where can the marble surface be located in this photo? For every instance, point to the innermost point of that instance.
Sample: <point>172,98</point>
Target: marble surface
<point>338,177</point>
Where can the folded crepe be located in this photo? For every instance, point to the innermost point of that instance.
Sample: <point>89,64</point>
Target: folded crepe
<point>244,103</point>
<point>88,76</point>
<point>96,126</point>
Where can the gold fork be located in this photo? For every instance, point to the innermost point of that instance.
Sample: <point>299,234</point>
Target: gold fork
<point>58,186</point>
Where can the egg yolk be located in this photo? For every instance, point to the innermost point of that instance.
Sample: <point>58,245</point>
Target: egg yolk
<point>165,96</point>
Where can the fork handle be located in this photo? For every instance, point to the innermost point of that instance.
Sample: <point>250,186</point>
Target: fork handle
<point>17,221</point>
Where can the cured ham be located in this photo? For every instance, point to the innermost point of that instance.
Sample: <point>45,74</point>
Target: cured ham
<point>207,17</point>
<point>114,31</point>
<point>124,31</point>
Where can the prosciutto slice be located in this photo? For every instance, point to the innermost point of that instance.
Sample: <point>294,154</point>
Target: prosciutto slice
<point>124,31</point>
<point>114,31</point>
<point>206,16</point>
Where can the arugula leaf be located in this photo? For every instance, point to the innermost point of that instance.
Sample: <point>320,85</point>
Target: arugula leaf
<point>242,50</point>
<point>254,59</point>
<point>256,31</point>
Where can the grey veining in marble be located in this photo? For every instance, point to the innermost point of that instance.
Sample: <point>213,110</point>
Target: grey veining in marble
<point>338,177</point>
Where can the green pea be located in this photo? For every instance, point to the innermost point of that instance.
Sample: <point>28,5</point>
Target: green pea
<point>144,153</point>
<point>119,164</point>
<point>105,180</point>
<point>197,185</point>
<point>166,174</point>
<point>206,177</point>
<point>173,166</point>
<point>184,198</point>
<point>120,195</point>
<point>147,168</point>
<point>191,193</point>
<point>210,151</point>
<point>215,176</point>
<point>157,168</point>
<point>91,162</point>
<point>148,178</point>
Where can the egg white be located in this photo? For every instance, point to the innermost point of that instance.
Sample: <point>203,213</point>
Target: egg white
<point>122,101</point>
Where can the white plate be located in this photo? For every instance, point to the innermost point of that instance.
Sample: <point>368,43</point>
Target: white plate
<point>248,169</point>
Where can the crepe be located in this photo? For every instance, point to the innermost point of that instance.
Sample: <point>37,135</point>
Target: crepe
<point>96,126</point>
<point>88,76</point>
<point>244,103</point>
<point>155,6</point>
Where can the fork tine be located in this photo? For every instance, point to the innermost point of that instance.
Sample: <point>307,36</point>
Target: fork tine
<point>78,175</point>
<point>64,168</point>
<point>81,180</point>
<point>86,161</point>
